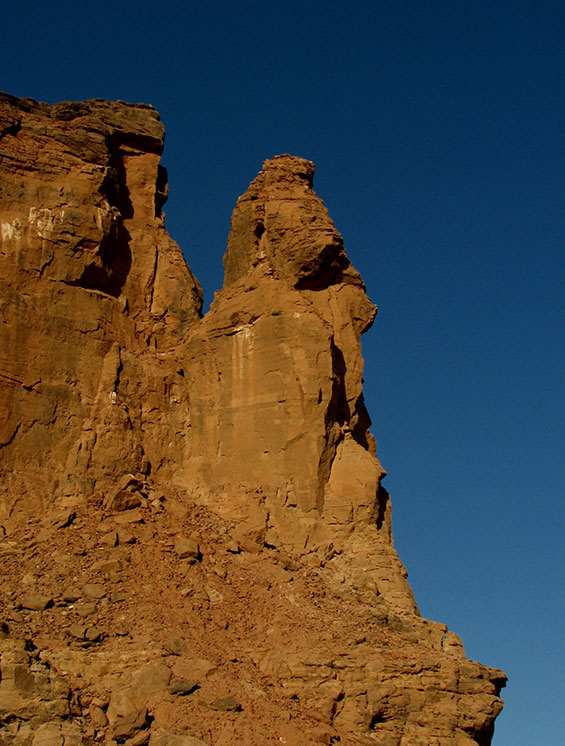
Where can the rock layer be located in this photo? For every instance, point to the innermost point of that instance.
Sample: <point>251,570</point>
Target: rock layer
<point>214,478</point>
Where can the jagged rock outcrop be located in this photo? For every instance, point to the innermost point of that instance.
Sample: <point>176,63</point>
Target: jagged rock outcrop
<point>192,508</point>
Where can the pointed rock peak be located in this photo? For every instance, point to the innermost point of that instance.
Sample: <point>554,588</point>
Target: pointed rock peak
<point>282,224</point>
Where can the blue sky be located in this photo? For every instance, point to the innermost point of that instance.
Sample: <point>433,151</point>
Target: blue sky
<point>437,129</point>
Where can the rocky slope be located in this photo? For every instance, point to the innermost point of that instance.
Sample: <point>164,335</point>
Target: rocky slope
<point>195,538</point>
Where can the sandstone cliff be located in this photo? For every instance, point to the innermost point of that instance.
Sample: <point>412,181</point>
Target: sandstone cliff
<point>197,544</point>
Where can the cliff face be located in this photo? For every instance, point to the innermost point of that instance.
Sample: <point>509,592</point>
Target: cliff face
<point>91,285</point>
<point>213,478</point>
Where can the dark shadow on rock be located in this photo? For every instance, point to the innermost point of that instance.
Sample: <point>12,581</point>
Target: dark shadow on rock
<point>382,503</point>
<point>326,269</point>
<point>109,276</point>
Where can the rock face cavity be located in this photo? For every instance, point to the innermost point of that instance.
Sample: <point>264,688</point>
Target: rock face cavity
<point>205,488</point>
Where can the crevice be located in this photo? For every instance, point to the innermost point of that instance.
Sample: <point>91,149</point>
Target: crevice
<point>137,141</point>
<point>161,190</point>
<point>31,386</point>
<point>119,369</point>
<point>11,129</point>
<point>114,186</point>
<point>12,379</point>
<point>383,499</point>
<point>362,424</point>
<point>46,264</point>
<point>325,270</point>
<point>152,280</point>
<point>338,407</point>
<point>110,274</point>
<point>482,737</point>
<point>10,440</point>
<point>337,415</point>
<point>259,229</point>
<point>376,720</point>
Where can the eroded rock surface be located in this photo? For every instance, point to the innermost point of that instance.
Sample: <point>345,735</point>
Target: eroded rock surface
<point>196,541</point>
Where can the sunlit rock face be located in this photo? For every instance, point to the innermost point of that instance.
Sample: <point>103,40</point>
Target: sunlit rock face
<point>275,367</point>
<point>220,468</point>
<point>93,292</point>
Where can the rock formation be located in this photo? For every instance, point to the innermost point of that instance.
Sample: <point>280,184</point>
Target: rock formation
<point>196,541</point>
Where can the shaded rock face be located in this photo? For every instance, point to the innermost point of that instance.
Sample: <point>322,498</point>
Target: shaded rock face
<point>135,429</point>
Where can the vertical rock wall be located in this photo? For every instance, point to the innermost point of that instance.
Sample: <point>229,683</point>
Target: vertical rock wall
<point>92,293</point>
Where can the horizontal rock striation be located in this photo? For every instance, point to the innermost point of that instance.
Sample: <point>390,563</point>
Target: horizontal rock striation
<point>196,539</point>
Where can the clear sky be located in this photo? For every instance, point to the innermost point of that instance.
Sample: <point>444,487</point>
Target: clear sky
<point>438,130</point>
